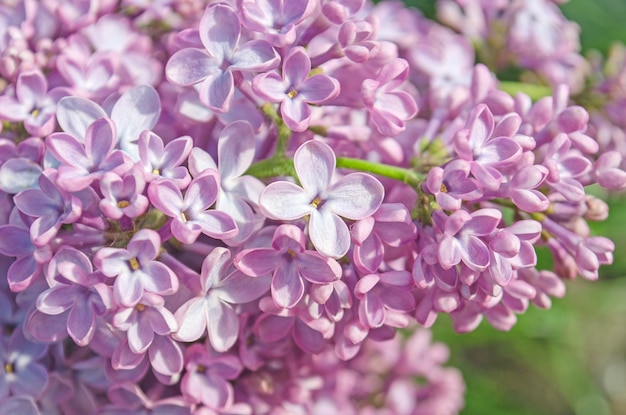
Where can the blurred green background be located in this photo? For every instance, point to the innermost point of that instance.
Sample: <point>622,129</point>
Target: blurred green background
<point>570,359</point>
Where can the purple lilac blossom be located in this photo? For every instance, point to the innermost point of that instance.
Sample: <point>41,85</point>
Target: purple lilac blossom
<point>355,196</point>
<point>190,213</point>
<point>222,59</point>
<point>295,89</point>
<point>211,309</point>
<point>135,269</point>
<point>290,265</point>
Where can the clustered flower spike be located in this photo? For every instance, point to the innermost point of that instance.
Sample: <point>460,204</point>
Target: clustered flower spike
<point>232,207</point>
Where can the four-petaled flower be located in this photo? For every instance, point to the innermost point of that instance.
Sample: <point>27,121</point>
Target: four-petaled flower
<point>136,269</point>
<point>295,89</point>
<point>214,67</point>
<point>354,196</point>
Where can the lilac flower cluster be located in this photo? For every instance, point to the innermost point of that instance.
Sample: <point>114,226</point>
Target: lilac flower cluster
<point>233,207</point>
<point>531,34</point>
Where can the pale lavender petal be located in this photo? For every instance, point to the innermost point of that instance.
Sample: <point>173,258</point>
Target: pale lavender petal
<point>100,140</point>
<point>166,197</point>
<point>315,164</point>
<point>68,150</point>
<point>140,337</point>
<point>202,191</point>
<point>355,196</point>
<point>235,149</point>
<point>22,405</point>
<point>138,109</point>
<point>257,262</point>
<point>296,114</point>
<point>57,299</point>
<point>449,253</point>
<point>270,86</point>
<point>19,174</point>
<point>296,66</point>
<point>217,224</point>
<point>476,254</point>
<point>145,244</point>
<point>15,241</point>
<point>255,55</point>
<point>271,328</point>
<point>21,273</point>
<point>189,66</point>
<point>214,267</point>
<point>159,278</point>
<point>47,328</point>
<point>318,88</point>
<point>329,233</point>
<point>397,299</point>
<point>287,286</point>
<point>285,200</point>
<point>210,390</point>
<point>220,30</point>
<point>306,338</point>
<point>238,288</point>
<point>223,326</point>
<point>192,320</point>
<point>81,323</point>
<point>217,91</point>
<point>31,381</point>
<point>128,289</point>
<point>317,269</point>
<point>75,114</point>
<point>166,356</point>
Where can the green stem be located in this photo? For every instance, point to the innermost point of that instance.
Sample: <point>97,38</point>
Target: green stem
<point>283,166</point>
<point>534,91</point>
<point>398,173</point>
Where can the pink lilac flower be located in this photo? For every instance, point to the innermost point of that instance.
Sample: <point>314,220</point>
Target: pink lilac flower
<point>20,165</point>
<point>136,110</point>
<point>207,378</point>
<point>84,163</point>
<point>452,184</point>
<point>223,58</point>
<point>191,214</point>
<point>164,161</point>
<point>51,207</point>
<point>239,193</point>
<point>487,146</point>
<point>15,241</point>
<point>91,76</point>
<point>114,34</point>
<point>149,317</point>
<point>354,196</point>
<point>295,89</point>
<point>211,309</point>
<point>297,323</point>
<point>390,226</point>
<point>607,171</point>
<point>277,21</point>
<point>388,105</point>
<point>21,373</point>
<point>77,297</point>
<point>33,104</point>
<point>290,265</point>
<point>383,295</point>
<point>123,196</point>
<point>136,269</point>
